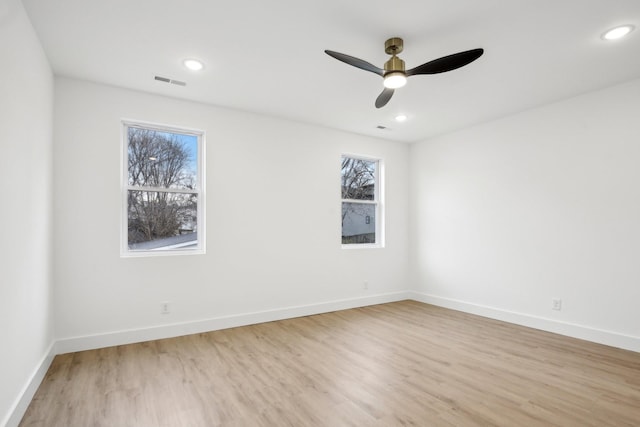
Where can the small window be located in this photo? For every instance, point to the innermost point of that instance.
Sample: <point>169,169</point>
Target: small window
<point>360,201</point>
<point>163,198</point>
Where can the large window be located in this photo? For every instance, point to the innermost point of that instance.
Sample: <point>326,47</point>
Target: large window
<point>163,197</point>
<point>361,212</point>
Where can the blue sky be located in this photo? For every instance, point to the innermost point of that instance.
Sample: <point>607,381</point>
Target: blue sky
<point>191,144</point>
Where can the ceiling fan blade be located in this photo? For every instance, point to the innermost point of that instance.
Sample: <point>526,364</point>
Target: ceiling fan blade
<point>384,97</point>
<point>447,63</point>
<point>356,62</point>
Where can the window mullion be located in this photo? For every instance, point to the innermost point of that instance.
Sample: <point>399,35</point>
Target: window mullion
<point>364,202</point>
<point>162,189</point>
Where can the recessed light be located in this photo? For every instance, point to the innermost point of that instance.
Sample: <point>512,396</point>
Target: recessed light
<point>193,64</point>
<point>401,117</point>
<point>617,32</point>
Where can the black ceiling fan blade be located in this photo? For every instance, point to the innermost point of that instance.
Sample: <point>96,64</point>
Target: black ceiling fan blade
<point>447,63</point>
<point>384,97</point>
<point>356,62</point>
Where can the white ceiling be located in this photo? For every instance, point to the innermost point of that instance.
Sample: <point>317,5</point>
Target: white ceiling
<point>268,56</point>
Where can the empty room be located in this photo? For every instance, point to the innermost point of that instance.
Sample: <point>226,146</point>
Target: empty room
<point>319,213</point>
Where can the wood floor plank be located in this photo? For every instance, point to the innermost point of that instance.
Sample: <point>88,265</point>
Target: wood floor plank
<point>397,364</point>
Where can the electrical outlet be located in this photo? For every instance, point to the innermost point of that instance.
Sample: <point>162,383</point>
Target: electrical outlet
<point>556,304</point>
<point>164,308</point>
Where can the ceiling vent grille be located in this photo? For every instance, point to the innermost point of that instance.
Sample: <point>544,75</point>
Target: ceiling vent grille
<point>168,80</point>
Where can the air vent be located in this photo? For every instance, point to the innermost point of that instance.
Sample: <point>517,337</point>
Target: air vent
<point>167,80</point>
<point>381,127</point>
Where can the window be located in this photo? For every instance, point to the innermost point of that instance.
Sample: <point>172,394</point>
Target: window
<point>163,198</point>
<point>361,213</point>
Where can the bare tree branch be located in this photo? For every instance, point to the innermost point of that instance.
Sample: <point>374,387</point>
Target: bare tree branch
<point>160,160</point>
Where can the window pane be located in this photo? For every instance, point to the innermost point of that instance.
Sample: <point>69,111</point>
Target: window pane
<point>159,220</point>
<point>358,223</point>
<point>358,179</point>
<point>162,159</point>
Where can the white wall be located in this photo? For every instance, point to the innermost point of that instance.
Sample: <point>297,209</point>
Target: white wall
<point>265,178</point>
<point>540,205</point>
<point>26,100</point>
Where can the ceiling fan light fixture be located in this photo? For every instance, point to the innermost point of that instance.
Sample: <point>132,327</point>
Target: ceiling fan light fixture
<point>395,80</point>
<point>618,32</point>
<point>394,73</point>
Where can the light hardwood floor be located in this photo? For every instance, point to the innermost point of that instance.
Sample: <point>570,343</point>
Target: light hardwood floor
<point>395,364</point>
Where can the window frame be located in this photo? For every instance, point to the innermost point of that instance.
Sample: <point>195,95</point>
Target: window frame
<point>199,191</point>
<point>378,202</point>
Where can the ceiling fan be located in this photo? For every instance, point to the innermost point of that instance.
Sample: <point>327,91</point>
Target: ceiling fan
<point>394,73</point>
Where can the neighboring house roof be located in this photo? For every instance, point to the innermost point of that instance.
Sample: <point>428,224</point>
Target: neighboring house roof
<point>181,241</point>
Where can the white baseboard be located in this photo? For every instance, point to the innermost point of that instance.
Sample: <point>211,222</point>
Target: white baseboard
<point>600,336</point>
<point>69,345</point>
<point>23,400</point>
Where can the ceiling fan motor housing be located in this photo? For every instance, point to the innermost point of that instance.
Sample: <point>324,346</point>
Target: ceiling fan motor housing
<point>393,46</point>
<point>394,64</point>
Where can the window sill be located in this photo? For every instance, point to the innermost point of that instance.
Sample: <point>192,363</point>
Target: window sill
<point>363,246</point>
<point>143,254</point>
